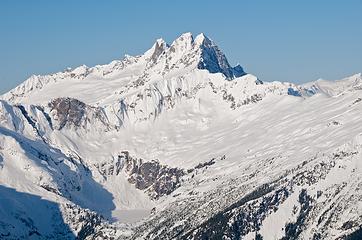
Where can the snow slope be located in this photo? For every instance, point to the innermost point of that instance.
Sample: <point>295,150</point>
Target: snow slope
<point>177,144</point>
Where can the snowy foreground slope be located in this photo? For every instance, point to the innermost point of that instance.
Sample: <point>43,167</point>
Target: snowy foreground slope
<point>178,144</point>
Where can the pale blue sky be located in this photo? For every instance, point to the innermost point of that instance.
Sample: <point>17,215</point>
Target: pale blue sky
<point>295,41</point>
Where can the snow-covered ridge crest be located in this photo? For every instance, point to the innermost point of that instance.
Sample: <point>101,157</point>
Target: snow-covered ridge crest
<point>183,55</point>
<point>334,88</point>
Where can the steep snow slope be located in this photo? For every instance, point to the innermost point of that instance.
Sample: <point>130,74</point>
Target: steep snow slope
<point>176,143</point>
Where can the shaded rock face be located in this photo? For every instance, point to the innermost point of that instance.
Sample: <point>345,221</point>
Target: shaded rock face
<point>72,112</point>
<point>156,179</point>
<point>215,61</point>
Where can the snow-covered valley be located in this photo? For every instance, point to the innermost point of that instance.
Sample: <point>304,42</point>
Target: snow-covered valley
<point>177,144</point>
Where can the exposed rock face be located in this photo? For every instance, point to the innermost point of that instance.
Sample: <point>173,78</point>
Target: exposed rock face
<point>68,111</point>
<point>156,179</point>
<point>152,177</point>
<point>72,112</point>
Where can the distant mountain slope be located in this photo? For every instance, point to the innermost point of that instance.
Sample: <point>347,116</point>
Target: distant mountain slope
<point>334,88</point>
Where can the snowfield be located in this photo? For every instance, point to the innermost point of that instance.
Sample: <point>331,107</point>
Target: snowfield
<point>178,144</point>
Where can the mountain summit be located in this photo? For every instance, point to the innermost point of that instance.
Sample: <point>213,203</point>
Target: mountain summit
<point>200,52</point>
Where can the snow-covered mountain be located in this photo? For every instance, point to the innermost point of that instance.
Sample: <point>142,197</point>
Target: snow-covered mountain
<point>177,144</point>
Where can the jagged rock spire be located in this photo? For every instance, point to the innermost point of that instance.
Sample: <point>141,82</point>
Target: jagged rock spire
<point>201,51</point>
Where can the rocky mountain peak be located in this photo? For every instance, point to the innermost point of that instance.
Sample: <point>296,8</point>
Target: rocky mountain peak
<point>182,45</point>
<point>214,60</point>
<point>201,52</point>
<point>185,38</point>
<point>158,48</point>
<point>202,39</point>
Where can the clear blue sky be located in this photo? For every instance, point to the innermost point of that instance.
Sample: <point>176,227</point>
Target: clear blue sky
<point>295,41</point>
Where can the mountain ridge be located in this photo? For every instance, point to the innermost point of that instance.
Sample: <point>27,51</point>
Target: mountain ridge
<point>183,45</point>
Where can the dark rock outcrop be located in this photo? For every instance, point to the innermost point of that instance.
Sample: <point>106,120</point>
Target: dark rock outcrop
<point>153,177</point>
<point>72,112</point>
